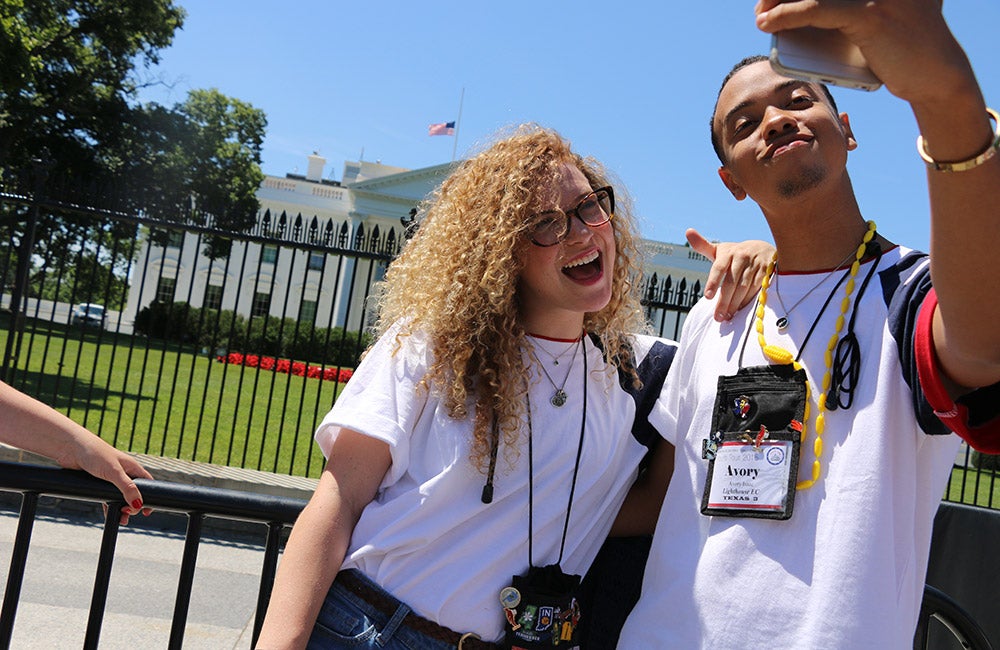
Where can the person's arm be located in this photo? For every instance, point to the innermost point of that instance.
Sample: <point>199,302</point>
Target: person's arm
<point>911,49</point>
<point>736,273</point>
<point>33,426</point>
<point>320,538</point>
<point>641,508</point>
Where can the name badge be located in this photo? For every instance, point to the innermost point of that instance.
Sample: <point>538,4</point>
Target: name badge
<point>753,448</point>
<point>752,476</point>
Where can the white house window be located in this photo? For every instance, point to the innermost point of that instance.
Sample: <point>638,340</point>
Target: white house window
<point>213,297</point>
<point>269,255</point>
<point>169,238</point>
<point>261,304</point>
<point>175,238</point>
<point>165,288</point>
<point>316,261</point>
<point>307,312</point>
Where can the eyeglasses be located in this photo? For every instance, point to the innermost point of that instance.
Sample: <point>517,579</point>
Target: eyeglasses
<point>552,226</point>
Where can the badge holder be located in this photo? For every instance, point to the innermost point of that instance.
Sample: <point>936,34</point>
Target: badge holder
<point>541,609</point>
<point>753,450</point>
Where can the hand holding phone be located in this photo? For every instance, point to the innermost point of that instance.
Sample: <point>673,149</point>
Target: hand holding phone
<point>821,55</point>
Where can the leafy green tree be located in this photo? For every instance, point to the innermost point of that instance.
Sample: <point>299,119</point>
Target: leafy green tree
<point>69,71</point>
<point>68,74</point>
<point>201,162</point>
<point>88,279</point>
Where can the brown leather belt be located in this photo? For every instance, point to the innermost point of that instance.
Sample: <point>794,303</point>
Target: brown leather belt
<point>388,606</point>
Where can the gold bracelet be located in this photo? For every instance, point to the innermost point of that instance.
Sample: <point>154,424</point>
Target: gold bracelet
<point>963,165</point>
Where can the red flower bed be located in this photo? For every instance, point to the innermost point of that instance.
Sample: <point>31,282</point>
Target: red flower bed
<point>287,366</point>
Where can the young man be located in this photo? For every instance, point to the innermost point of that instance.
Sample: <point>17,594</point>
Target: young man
<point>812,430</point>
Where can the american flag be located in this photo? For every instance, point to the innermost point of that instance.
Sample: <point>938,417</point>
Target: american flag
<point>444,128</point>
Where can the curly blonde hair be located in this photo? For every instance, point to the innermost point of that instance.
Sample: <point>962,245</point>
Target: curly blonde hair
<point>457,280</point>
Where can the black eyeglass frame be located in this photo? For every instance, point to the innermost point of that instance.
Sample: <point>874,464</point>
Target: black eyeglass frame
<point>575,212</point>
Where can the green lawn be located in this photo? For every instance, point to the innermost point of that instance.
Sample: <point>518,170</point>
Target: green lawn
<point>158,398</point>
<point>974,487</point>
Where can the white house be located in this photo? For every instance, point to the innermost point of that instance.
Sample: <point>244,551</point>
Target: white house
<point>261,278</point>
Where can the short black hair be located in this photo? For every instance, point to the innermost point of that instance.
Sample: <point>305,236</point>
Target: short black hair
<point>755,58</point>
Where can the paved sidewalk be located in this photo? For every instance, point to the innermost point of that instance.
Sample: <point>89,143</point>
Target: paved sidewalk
<point>59,578</point>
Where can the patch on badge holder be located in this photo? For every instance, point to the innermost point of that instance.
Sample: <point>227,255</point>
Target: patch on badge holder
<point>742,407</point>
<point>541,610</point>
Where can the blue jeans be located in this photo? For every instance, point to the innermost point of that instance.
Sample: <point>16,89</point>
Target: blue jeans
<point>347,621</point>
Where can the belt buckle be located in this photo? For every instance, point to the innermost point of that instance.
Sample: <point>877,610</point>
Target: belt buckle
<point>467,636</point>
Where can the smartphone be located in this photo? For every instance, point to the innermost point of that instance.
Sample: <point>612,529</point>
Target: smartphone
<point>822,55</point>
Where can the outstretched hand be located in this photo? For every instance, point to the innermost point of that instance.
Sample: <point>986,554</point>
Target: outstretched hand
<point>736,273</point>
<point>909,46</point>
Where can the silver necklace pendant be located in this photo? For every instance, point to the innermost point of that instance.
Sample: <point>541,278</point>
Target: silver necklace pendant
<point>559,396</point>
<point>782,323</point>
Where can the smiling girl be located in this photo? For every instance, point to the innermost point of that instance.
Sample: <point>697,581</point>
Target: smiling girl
<point>480,453</point>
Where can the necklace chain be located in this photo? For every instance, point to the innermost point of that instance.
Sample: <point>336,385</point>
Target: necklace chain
<point>537,344</point>
<point>777,354</point>
<point>487,496</point>
<point>782,322</point>
<point>559,396</point>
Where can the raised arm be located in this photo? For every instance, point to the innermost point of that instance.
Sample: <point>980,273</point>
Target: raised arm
<point>912,50</point>
<point>320,538</point>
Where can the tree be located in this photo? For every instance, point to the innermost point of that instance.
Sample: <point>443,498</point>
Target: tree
<point>203,162</point>
<point>87,279</point>
<point>226,139</point>
<point>68,81</point>
<point>67,77</point>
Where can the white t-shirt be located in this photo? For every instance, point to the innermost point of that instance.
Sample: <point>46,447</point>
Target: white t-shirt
<point>847,570</point>
<point>428,538</point>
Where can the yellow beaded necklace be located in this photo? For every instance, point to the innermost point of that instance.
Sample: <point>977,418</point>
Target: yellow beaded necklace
<point>780,355</point>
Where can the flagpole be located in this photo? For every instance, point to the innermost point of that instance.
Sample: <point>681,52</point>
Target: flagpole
<point>458,124</point>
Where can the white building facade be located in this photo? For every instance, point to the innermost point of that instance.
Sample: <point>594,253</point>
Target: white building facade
<point>313,283</point>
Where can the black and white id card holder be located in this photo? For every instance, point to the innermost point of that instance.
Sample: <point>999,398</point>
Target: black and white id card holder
<point>752,450</point>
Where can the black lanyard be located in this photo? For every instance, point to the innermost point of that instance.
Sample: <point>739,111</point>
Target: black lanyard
<point>847,357</point>
<point>576,468</point>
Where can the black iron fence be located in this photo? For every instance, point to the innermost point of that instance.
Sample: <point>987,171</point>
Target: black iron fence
<point>229,359</point>
<point>125,322</point>
<point>169,335</point>
<point>274,514</point>
<point>121,319</point>
<point>959,532</point>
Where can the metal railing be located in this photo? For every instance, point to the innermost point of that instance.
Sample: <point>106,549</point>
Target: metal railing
<point>197,503</point>
<point>974,480</point>
<point>277,514</point>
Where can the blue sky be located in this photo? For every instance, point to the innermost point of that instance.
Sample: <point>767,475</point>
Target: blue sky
<point>631,84</point>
